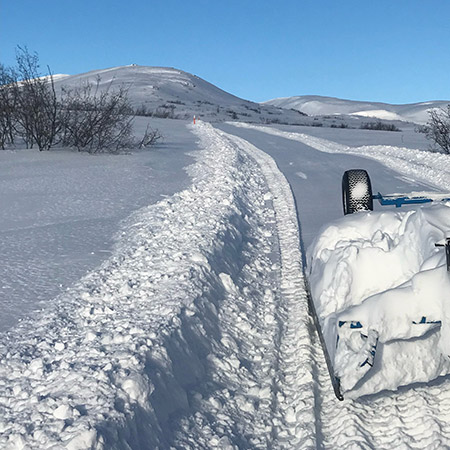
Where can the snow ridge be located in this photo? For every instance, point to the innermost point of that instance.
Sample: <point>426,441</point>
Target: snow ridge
<point>295,419</point>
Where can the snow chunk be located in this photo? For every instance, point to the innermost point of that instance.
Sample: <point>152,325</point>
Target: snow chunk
<point>228,283</point>
<point>63,412</point>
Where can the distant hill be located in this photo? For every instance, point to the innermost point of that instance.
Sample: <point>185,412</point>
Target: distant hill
<point>168,92</point>
<point>315,105</point>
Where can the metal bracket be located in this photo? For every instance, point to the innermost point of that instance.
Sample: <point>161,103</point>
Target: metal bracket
<point>446,244</point>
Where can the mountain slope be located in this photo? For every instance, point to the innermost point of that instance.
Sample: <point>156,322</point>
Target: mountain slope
<point>318,105</point>
<point>168,92</point>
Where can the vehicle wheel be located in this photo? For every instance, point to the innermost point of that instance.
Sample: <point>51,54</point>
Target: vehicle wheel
<point>356,191</point>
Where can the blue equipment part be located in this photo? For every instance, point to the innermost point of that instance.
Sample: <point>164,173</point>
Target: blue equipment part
<point>425,321</point>
<point>412,199</point>
<point>371,350</point>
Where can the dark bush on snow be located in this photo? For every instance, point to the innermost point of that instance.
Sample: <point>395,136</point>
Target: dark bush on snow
<point>88,118</point>
<point>379,126</point>
<point>438,129</point>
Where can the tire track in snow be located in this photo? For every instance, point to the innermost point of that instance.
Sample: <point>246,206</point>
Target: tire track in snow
<point>279,371</point>
<point>295,386</point>
<point>233,404</point>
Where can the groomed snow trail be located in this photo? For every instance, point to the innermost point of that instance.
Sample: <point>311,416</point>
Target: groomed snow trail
<point>422,165</point>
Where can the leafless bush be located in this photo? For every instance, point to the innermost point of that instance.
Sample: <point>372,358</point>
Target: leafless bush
<point>143,111</point>
<point>438,129</point>
<point>7,106</point>
<point>379,126</point>
<point>88,118</point>
<point>164,112</point>
<point>150,138</point>
<point>421,129</point>
<point>35,110</point>
<point>97,120</point>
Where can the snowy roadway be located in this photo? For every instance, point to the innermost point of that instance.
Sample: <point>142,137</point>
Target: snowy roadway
<point>196,332</point>
<point>414,417</point>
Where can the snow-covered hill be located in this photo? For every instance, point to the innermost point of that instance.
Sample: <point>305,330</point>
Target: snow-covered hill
<point>168,92</point>
<point>317,105</point>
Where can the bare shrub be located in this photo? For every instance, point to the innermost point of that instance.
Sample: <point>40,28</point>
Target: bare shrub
<point>35,112</point>
<point>7,106</point>
<point>438,129</point>
<point>150,138</point>
<point>97,120</point>
<point>379,126</point>
<point>88,118</point>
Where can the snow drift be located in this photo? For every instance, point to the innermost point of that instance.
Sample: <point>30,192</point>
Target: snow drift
<point>381,290</point>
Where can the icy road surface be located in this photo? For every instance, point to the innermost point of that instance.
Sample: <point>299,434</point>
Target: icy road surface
<point>195,333</point>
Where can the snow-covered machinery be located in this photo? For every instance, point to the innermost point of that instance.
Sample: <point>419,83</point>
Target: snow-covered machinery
<point>390,335</point>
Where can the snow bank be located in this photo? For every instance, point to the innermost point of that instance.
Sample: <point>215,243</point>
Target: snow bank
<point>381,291</point>
<point>108,364</point>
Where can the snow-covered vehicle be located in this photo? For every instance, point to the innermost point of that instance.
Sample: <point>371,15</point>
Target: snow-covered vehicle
<point>383,334</point>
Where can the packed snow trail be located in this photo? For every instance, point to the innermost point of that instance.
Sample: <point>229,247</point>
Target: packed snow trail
<point>419,164</point>
<point>315,176</point>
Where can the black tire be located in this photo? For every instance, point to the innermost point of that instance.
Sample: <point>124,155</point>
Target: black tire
<point>356,191</point>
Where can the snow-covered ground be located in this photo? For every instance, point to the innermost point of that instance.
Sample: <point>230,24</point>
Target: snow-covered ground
<point>182,319</point>
<point>195,332</point>
<point>185,335</point>
<point>173,93</point>
<point>61,211</point>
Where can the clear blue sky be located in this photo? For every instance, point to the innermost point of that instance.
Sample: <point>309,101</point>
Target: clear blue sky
<point>395,51</point>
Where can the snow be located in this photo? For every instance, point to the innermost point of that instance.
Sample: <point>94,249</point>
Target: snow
<point>419,164</point>
<point>61,211</point>
<point>382,270</point>
<point>318,105</point>
<point>181,317</point>
<point>178,94</point>
<point>380,273</point>
<point>379,114</point>
<point>191,327</point>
